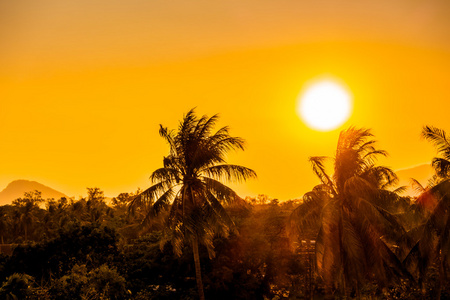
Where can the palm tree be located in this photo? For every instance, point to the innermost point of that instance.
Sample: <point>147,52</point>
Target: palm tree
<point>190,183</point>
<point>354,236</point>
<point>433,244</point>
<point>442,142</point>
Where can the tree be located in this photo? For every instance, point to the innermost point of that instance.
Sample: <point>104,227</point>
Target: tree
<point>121,201</point>
<point>441,141</point>
<point>16,286</point>
<point>433,245</point>
<point>96,195</point>
<point>96,208</point>
<point>93,245</point>
<point>99,283</point>
<point>28,205</point>
<point>190,182</point>
<point>3,224</point>
<point>355,237</point>
<point>55,218</point>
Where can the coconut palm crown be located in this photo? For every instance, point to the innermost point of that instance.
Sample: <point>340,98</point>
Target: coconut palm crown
<point>189,185</point>
<point>441,141</point>
<point>354,233</point>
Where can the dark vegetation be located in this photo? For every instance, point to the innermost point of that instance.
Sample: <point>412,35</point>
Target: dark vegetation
<point>189,236</point>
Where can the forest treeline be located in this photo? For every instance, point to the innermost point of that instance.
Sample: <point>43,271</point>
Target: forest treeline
<point>189,236</point>
<point>86,249</point>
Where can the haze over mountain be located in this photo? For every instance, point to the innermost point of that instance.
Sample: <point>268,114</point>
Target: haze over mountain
<point>421,173</point>
<point>17,188</point>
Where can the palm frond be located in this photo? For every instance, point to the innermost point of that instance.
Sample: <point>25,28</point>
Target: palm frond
<point>439,138</point>
<point>353,138</point>
<point>386,224</point>
<point>221,143</point>
<point>148,196</point>
<point>188,124</point>
<point>394,268</point>
<point>400,190</point>
<point>357,186</point>
<point>205,125</point>
<point>221,218</point>
<point>230,173</point>
<point>176,212</point>
<point>415,233</point>
<point>168,135</point>
<point>367,147</point>
<point>434,180</point>
<point>328,250</point>
<point>372,156</point>
<point>417,186</point>
<point>379,231</point>
<point>347,164</point>
<point>306,216</point>
<point>380,176</point>
<point>163,201</point>
<point>353,248</point>
<point>442,189</point>
<point>169,175</point>
<point>213,150</point>
<point>434,233</point>
<point>317,163</point>
<point>441,166</point>
<point>222,192</point>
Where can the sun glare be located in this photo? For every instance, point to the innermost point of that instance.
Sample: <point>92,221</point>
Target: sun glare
<point>324,105</point>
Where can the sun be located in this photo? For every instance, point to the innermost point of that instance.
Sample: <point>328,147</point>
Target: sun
<point>324,105</point>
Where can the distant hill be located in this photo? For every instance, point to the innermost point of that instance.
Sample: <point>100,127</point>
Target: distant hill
<point>17,188</point>
<point>421,173</point>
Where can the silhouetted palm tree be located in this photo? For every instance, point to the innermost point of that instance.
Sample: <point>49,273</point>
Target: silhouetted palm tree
<point>442,142</point>
<point>433,245</point>
<point>353,232</point>
<point>190,182</point>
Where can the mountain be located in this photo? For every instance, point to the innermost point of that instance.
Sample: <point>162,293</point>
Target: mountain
<point>17,188</point>
<point>421,173</point>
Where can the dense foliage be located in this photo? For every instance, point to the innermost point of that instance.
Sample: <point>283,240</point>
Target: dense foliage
<point>104,260</point>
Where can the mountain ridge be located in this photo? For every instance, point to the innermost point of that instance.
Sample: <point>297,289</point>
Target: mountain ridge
<point>16,189</point>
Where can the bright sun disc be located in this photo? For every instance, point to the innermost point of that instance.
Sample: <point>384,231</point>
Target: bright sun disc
<point>324,105</point>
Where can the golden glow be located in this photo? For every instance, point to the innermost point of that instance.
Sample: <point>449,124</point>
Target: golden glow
<point>324,105</point>
<point>84,85</point>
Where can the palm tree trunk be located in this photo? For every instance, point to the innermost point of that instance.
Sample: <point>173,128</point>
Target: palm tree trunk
<point>441,277</point>
<point>342,255</point>
<point>198,271</point>
<point>358,290</point>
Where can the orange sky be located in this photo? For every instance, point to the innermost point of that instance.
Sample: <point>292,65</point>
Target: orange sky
<point>84,84</point>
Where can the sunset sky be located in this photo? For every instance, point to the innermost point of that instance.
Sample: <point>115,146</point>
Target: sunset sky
<point>85,84</point>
